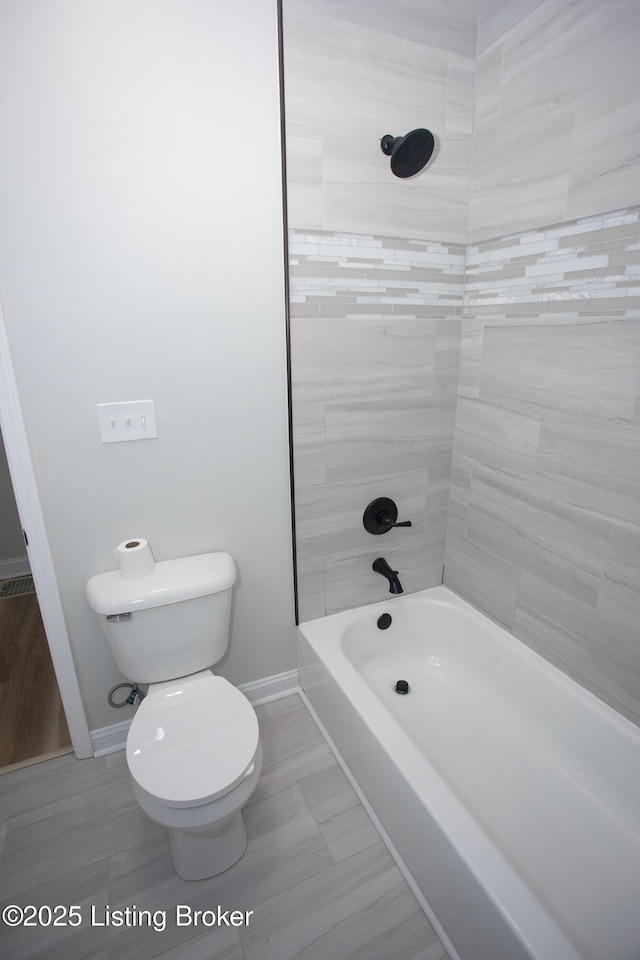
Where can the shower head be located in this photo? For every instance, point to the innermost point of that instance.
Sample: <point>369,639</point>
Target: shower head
<point>409,154</point>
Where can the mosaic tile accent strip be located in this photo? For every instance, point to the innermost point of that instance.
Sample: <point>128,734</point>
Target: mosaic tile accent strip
<point>375,334</point>
<point>374,270</point>
<point>592,260</point>
<point>544,515</point>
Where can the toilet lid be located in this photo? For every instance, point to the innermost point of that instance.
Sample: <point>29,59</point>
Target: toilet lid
<point>192,741</point>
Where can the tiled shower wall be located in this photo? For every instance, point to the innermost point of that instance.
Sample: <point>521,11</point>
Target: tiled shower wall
<point>544,519</point>
<point>543,529</point>
<point>375,329</point>
<point>547,416</point>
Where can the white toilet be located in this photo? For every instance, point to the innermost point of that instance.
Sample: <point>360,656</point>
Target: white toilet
<point>193,748</point>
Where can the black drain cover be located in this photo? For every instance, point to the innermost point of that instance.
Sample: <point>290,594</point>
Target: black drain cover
<point>402,686</point>
<point>384,621</point>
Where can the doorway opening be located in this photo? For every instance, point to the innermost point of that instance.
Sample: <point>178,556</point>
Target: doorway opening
<point>33,725</point>
<point>33,538</point>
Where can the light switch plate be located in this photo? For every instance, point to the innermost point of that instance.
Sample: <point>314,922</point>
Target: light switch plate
<point>128,420</point>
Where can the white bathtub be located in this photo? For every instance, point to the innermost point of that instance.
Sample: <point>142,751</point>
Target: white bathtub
<point>511,794</point>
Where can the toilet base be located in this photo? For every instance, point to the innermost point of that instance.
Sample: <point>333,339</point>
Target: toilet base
<point>198,853</point>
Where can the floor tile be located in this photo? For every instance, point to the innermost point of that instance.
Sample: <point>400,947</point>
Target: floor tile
<point>315,881</point>
<point>343,821</point>
<point>346,912</point>
<point>81,888</point>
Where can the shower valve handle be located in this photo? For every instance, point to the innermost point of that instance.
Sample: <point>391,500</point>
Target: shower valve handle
<point>381,515</point>
<point>384,518</point>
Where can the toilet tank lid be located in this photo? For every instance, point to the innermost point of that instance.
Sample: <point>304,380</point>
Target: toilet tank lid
<point>170,582</point>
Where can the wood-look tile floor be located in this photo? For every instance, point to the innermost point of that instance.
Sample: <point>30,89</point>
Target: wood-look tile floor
<point>316,875</point>
<point>32,720</point>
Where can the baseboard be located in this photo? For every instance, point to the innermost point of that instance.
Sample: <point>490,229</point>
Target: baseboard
<point>271,688</point>
<point>14,567</point>
<point>113,738</point>
<point>110,739</point>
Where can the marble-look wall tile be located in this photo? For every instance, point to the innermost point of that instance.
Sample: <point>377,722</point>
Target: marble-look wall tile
<point>398,435</point>
<point>605,150</point>
<point>375,341</point>
<point>599,652</point>
<point>544,512</point>
<point>556,541</point>
<point>486,580</point>
<point>308,426</point>
<point>557,121</point>
<point>594,461</point>
<point>496,436</point>
<point>496,16</point>
<point>588,367</point>
<point>393,355</point>
<point>311,587</point>
<point>354,72</point>
<point>619,596</point>
<point>439,23</point>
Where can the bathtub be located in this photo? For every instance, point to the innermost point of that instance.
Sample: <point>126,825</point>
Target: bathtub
<point>509,795</point>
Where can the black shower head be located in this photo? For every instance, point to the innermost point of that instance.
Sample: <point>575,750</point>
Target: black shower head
<point>409,154</point>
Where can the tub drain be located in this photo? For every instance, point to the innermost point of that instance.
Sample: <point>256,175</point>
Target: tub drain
<point>402,686</point>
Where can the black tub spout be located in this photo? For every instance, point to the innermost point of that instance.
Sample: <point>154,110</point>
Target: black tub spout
<point>381,566</point>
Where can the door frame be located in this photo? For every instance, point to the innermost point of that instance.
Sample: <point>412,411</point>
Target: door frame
<point>38,550</point>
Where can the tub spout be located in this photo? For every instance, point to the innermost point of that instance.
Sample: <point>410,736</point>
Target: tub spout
<point>381,566</point>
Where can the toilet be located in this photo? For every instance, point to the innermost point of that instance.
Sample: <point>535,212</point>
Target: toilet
<point>193,748</point>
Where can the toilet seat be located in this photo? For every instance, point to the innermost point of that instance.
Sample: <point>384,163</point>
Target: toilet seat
<point>192,740</point>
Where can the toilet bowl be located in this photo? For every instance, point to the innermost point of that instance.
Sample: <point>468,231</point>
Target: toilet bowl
<point>193,748</point>
<point>194,756</point>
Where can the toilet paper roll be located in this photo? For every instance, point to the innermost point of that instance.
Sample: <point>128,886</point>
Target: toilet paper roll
<point>135,558</point>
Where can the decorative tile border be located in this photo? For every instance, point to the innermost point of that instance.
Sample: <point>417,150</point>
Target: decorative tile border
<point>593,260</point>
<point>374,270</point>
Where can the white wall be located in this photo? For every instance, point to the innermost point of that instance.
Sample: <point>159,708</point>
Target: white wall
<point>141,256</point>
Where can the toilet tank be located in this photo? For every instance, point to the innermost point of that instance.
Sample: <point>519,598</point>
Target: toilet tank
<point>170,624</point>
